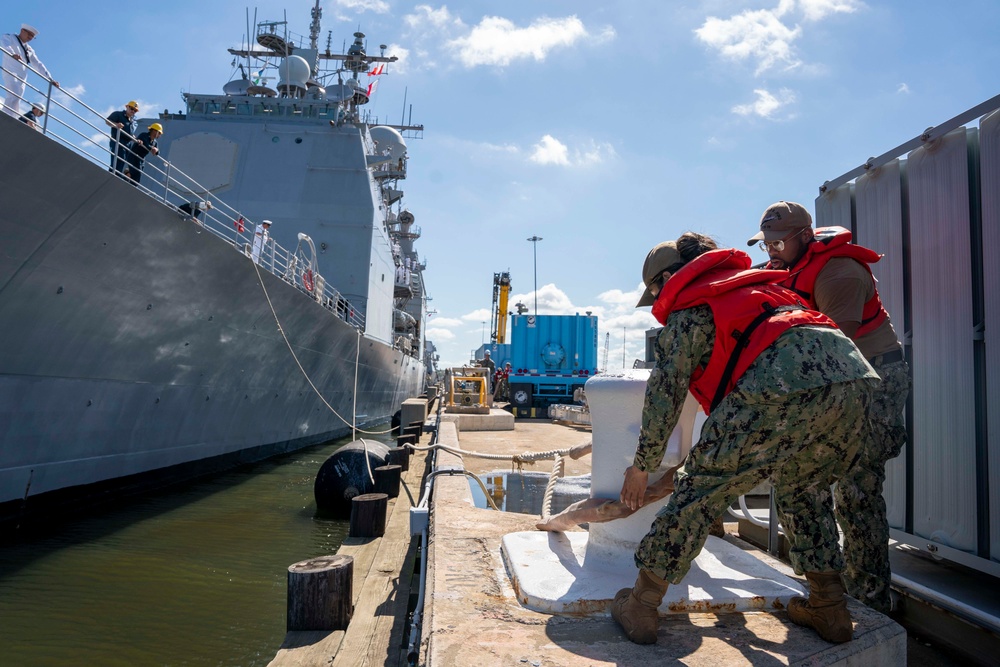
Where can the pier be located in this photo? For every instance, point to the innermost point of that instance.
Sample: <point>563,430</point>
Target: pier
<point>474,612</point>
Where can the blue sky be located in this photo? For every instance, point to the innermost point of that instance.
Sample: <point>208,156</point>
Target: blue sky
<point>603,128</point>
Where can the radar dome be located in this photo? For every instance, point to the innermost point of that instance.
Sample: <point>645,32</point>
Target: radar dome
<point>237,87</point>
<point>294,71</point>
<point>387,137</point>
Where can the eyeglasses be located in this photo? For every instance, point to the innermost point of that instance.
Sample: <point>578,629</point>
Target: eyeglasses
<point>779,245</point>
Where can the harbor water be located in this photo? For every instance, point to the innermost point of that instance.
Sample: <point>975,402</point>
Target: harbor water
<point>194,575</point>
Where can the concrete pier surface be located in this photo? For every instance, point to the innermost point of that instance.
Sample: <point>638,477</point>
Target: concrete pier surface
<point>473,615</point>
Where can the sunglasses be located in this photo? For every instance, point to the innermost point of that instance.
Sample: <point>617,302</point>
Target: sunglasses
<point>779,245</point>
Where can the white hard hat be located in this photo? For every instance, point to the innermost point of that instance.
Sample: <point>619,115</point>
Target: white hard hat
<point>39,106</point>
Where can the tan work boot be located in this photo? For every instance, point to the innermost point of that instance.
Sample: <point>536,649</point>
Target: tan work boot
<point>826,609</point>
<point>635,608</point>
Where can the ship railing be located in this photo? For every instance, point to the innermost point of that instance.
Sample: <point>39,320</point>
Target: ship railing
<point>83,130</point>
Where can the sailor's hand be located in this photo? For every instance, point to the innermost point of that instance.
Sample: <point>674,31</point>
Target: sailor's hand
<point>119,125</point>
<point>55,83</point>
<point>16,57</point>
<point>154,151</point>
<point>634,487</point>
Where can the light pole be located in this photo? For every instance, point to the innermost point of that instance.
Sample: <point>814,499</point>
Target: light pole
<point>534,246</point>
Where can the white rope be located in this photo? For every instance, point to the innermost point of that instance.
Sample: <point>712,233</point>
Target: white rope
<point>558,470</point>
<point>524,457</point>
<point>368,464</point>
<point>306,375</point>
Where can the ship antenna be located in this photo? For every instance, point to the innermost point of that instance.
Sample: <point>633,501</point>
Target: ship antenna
<point>402,119</point>
<point>248,39</point>
<point>314,27</point>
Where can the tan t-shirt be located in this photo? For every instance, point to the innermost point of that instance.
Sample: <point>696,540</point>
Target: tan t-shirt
<point>842,288</point>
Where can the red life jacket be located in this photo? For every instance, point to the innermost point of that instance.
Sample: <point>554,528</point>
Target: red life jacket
<point>750,311</point>
<point>833,242</point>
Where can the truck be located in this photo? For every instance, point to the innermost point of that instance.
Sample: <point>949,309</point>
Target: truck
<point>551,356</point>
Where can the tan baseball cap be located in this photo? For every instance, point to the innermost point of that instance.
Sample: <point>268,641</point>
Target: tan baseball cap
<point>659,259</point>
<point>781,218</point>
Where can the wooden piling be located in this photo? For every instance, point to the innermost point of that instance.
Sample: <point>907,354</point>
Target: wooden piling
<point>387,480</point>
<point>320,594</point>
<point>399,456</point>
<point>368,515</point>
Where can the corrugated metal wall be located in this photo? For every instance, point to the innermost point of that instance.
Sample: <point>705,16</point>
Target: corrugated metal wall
<point>935,215</point>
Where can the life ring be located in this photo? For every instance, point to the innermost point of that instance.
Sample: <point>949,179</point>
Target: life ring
<point>307,279</point>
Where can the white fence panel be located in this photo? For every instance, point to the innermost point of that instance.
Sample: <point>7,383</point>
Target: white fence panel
<point>944,447</point>
<point>834,209</point>
<point>879,213</point>
<point>989,156</point>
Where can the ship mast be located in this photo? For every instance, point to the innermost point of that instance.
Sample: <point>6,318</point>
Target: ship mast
<point>314,29</point>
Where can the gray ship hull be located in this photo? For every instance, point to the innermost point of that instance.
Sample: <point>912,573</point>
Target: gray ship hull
<point>133,340</point>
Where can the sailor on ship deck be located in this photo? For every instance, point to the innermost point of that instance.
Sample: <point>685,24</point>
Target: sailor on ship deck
<point>17,56</point>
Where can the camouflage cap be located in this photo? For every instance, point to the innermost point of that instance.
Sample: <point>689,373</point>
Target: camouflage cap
<point>657,261</point>
<point>779,219</point>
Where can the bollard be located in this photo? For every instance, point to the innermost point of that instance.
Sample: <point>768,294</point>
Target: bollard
<point>399,456</point>
<point>368,515</point>
<point>406,438</point>
<point>387,480</point>
<point>414,429</point>
<point>320,594</point>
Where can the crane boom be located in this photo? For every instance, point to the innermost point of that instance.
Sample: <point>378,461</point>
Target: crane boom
<point>501,292</point>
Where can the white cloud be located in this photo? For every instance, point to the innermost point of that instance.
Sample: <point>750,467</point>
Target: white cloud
<point>903,89</point>
<point>428,17</point>
<point>402,58</point>
<point>761,35</point>
<point>377,6</point>
<point>438,335</point>
<point>618,298</point>
<point>478,315</point>
<point>814,10</point>
<point>767,105</point>
<point>550,150</point>
<point>753,35</point>
<point>497,41</point>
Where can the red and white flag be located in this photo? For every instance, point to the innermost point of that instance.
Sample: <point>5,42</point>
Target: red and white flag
<point>372,87</point>
<point>377,70</point>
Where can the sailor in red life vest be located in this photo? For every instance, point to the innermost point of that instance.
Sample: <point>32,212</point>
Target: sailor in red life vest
<point>786,395</point>
<point>833,276</point>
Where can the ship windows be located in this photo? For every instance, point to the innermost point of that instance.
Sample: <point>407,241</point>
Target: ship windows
<point>275,140</point>
<point>298,140</point>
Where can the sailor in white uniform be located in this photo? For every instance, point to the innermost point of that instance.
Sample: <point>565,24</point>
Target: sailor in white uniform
<point>260,238</point>
<point>17,56</point>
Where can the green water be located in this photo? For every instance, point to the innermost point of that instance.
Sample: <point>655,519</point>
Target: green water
<point>191,576</point>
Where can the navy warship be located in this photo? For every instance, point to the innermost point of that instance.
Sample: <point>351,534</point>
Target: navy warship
<point>149,334</point>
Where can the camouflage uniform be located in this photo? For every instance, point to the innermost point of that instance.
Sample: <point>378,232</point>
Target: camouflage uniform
<point>795,417</point>
<point>860,507</point>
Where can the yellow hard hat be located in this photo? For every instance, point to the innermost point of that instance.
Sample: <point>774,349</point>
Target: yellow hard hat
<point>132,105</point>
<point>157,127</point>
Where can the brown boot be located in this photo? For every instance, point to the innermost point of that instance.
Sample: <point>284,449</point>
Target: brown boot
<point>826,609</point>
<point>635,608</point>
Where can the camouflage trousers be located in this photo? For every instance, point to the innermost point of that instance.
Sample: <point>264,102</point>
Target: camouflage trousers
<point>860,507</point>
<point>803,442</point>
